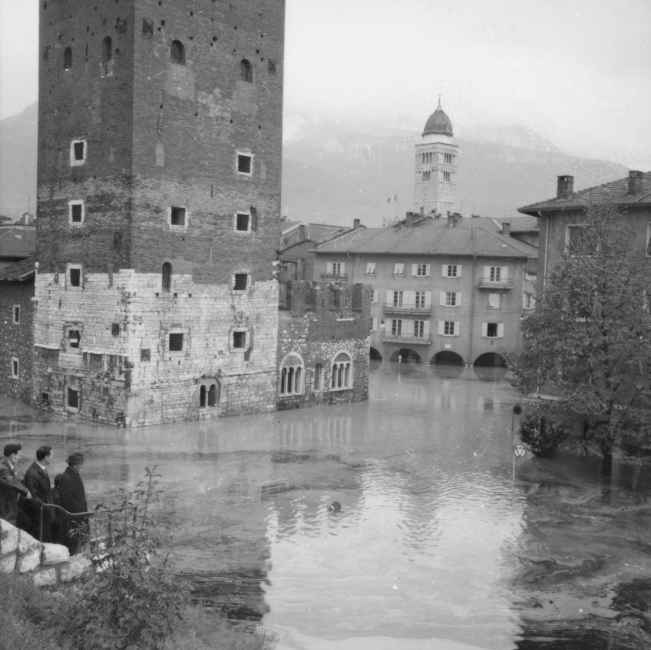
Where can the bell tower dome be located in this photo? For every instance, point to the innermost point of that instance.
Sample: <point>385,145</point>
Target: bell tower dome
<point>436,162</point>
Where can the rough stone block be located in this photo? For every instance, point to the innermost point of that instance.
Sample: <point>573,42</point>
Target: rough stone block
<point>45,578</point>
<point>54,554</point>
<point>26,542</point>
<point>75,568</point>
<point>8,537</point>
<point>8,563</point>
<point>30,561</point>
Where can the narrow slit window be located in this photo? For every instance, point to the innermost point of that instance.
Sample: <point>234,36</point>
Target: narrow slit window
<point>246,71</point>
<point>107,50</point>
<point>76,212</point>
<point>67,58</point>
<point>15,368</point>
<point>166,277</point>
<point>78,153</point>
<point>177,53</point>
<point>245,163</point>
<point>16,314</point>
<point>74,276</point>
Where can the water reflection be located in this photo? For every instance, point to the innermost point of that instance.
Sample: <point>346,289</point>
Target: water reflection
<point>431,527</point>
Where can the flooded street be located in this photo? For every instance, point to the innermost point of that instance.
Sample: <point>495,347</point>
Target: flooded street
<point>435,544</point>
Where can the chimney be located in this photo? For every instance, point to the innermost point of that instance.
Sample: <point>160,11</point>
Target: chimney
<point>356,223</point>
<point>302,232</point>
<point>506,228</point>
<point>635,182</point>
<point>565,187</point>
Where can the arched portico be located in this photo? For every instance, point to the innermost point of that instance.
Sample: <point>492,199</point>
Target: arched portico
<point>406,355</point>
<point>490,360</point>
<point>374,354</point>
<point>447,358</point>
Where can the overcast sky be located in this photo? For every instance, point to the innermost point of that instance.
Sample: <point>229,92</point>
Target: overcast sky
<point>577,72</point>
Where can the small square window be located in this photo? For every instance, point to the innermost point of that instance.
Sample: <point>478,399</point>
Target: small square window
<point>76,212</point>
<point>16,314</point>
<point>370,268</point>
<point>243,222</point>
<point>240,282</point>
<point>176,342</point>
<point>494,300</point>
<point>74,338</point>
<point>452,271</point>
<point>239,339</point>
<point>72,398</point>
<point>491,330</point>
<point>77,153</point>
<point>245,163</point>
<point>398,269</point>
<point>115,329</point>
<point>74,276</point>
<point>178,217</point>
<point>145,354</point>
<point>15,368</point>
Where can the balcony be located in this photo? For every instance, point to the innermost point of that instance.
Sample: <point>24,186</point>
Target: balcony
<point>504,285</point>
<point>332,277</point>
<point>410,310</point>
<point>406,340</point>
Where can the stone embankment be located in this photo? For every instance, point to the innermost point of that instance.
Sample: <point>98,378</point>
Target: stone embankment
<point>47,564</point>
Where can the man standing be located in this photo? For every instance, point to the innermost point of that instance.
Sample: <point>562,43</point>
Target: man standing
<point>71,495</point>
<point>37,481</point>
<point>11,489</point>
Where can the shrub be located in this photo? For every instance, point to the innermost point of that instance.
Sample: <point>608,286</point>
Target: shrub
<point>541,432</point>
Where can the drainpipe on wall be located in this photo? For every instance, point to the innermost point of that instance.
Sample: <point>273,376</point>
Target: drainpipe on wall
<point>471,329</point>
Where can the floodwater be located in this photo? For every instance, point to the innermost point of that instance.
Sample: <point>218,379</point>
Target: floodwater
<point>443,540</point>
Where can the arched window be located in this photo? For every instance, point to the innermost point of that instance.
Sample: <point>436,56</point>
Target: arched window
<point>166,279</point>
<point>177,53</point>
<point>202,397</point>
<point>107,50</point>
<point>246,70</point>
<point>213,395</point>
<point>341,376</point>
<point>67,58</point>
<point>209,394</point>
<point>291,375</point>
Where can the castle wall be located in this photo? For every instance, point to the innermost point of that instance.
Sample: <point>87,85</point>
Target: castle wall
<point>318,323</point>
<point>123,367</point>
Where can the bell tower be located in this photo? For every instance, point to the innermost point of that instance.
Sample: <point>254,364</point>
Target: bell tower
<point>436,162</point>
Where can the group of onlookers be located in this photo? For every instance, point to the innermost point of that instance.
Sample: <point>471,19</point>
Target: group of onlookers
<point>49,512</point>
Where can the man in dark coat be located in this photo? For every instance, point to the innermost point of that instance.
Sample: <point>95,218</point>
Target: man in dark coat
<point>71,495</point>
<point>37,481</point>
<point>11,489</point>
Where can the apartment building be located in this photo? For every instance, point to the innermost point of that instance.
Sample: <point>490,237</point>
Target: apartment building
<point>445,290</point>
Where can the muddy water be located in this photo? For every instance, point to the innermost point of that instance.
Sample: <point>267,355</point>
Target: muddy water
<point>435,545</point>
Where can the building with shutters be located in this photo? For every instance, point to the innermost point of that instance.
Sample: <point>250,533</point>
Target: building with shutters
<point>445,290</point>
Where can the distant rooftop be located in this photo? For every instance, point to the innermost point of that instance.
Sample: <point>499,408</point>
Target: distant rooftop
<point>17,242</point>
<point>470,236</point>
<point>17,271</point>
<point>615,192</point>
<point>519,223</point>
<point>316,233</point>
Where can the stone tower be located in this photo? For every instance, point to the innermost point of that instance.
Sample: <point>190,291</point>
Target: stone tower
<point>159,165</point>
<point>437,156</point>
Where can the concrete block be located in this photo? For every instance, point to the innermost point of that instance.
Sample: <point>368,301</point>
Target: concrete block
<point>54,554</point>
<point>75,568</point>
<point>8,563</point>
<point>30,561</point>
<point>45,578</point>
<point>8,537</point>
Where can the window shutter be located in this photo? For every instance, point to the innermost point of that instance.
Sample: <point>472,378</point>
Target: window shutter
<point>500,330</point>
<point>444,270</point>
<point>426,329</point>
<point>414,269</point>
<point>428,269</point>
<point>458,297</point>
<point>329,268</point>
<point>459,267</point>
<point>343,268</point>
<point>389,300</point>
<point>484,329</point>
<point>254,218</point>
<point>441,328</point>
<point>442,299</point>
<point>387,326</point>
<point>505,273</point>
<point>487,273</point>
<point>457,328</point>
<point>428,299</point>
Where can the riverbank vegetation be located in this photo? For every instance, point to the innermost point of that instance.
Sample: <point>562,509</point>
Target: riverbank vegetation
<point>134,601</point>
<point>588,344</point>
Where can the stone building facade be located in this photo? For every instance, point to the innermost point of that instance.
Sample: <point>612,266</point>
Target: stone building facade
<point>323,343</point>
<point>16,333</point>
<point>559,216</point>
<point>447,291</point>
<point>158,208</point>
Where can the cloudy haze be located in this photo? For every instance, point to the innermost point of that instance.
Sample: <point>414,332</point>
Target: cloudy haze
<point>578,73</point>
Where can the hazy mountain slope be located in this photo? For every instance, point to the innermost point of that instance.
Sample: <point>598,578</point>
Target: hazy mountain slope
<point>334,172</point>
<point>18,162</point>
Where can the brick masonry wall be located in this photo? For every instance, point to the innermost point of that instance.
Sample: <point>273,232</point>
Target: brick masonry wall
<point>128,374</point>
<point>16,339</point>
